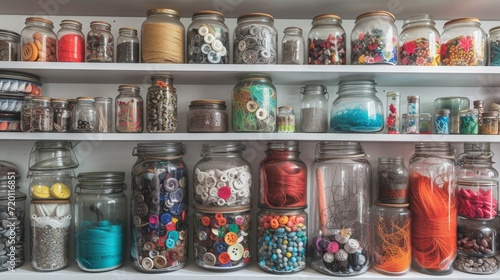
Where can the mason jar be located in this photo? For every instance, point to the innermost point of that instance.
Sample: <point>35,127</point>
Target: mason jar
<point>286,119</point>
<point>100,43</point>
<point>392,181</point>
<point>207,115</point>
<point>314,108</point>
<point>52,155</point>
<point>10,45</point>
<point>481,233</point>
<point>161,104</point>
<point>255,40</point>
<point>26,114</point>
<point>42,114</point>
<point>327,41</point>
<point>494,46</point>
<point>476,162</point>
<point>129,108</point>
<point>419,42</point>
<point>208,38</point>
<point>293,46</point>
<point>62,115</point>
<point>463,43</point>
<point>51,185</point>
<point>477,198</point>
<point>127,46</point>
<point>38,40</point>
<point>70,42</point>
<point>84,115</point>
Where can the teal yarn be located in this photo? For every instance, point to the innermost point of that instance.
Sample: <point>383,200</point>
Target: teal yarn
<point>356,120</point>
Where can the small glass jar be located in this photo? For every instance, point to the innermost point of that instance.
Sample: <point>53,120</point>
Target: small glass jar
<point>62,115</point>
<point>84,115</point>
<point>490,123</point>
<point>357,108</point>
<point>293,46</point>
<point>327,41</point>
<point>374,39</point>
<point>10,45</point>
<point>127,46</point>
<point>463,43</point>
<point>419,42</point>
<point>129,109</point>
<point>100,43</point>
<point>476,265</point>
<point>392,181</point>
<point>477,199</point>
<point>314,108</point>
<point>469,121</point>
<point>255,40</point>
<point>494,46</point>
<point>455,105</point>
<point>52,156</point>
<point>38,40</point>
<point>12,211</point>
<point>104,111</point>
<point>477,238</point>
<point>70,42</point>
<point>208,38</point>
<point>413,102</point>
<point>26,114</point>
<point>476,162</point>
<point>442,121</point>
<point>286,119</point>
<point>411,124</point>
<point>425,123</point>
<point>42,114</point>
<point>161,104</point>
<point>207,115</point>
<point>51,185</point>
<point>392,113</point>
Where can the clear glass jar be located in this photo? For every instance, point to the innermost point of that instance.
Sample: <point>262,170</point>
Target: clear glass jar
<point>70,42</point>
<point>425,123</point>
<point>478,238</point>
<point>392,113</point>
<point>357,108</point>
<point>413,102</point>
<point>463,43</point>
<point>442,121</point>
<point>469,121</point>
<point>104,111</point>
<point>10,45</point>
<point>50,234</point>
<point>12,211</point>
<point>222,178</point>
<point>38,40</point>
<point>51,185</point>
<point>286,119</point>
<point>434,208</point>
<point>42,114</point>
<point>411,124</point>
<point>84,115</point>
<point>26,114</point>
<point>419,42</point>
<point>158,208</point>
<point>283,177</point>
<point>476,162</point>
<point>455,105</point>
<point>494,46</point>
<point>327,41</point>
<point>100,43</point>
<point>62,115</point>
<point>162,23</point>
<point>208,38</point>
<point>477,199</point>
<point>254,104</point>
<point>100,221</point>
<point>129,109</point>
<point>374,39</point>
<point>127,46</point>
<point>479,105</point>
<point>314,108</point>
<point>490,123</point>
<point>207,115</point>
<point>293,46</point>
<point>390,225</point>
<point>287,227</point>
<point>161,104</point>
<point>485,265</point>
<point>392,181</point>
<point>255,40</point>
<point>52,155</point>
<point>339,206</point>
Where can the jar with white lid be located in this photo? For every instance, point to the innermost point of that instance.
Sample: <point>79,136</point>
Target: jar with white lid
<point>419,42</point>
<point>208,38</point>
<point>327,41</point>
<point>463,43</point>
<point>255,40</point>
<point>38,40</point>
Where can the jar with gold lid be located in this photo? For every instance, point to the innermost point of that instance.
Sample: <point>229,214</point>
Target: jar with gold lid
<point>208,38</point>
<point>255,40</point>
<point>38,40</point>
<point>463,43</point>
<point>327,41</point>
<point>100,42</point>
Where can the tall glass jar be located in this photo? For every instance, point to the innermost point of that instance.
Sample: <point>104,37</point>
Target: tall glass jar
<point>455,105</point>
<point>10,45</point>
<point>42,114</point>
<point>434,208</point>
<point>158,207</point>
<point>70,42</point>
<point>129,109</point>
<point>339,204</point>
<point>357,108</point>
<point>100,220</point>
<point>392,181</point>
<point>104,111</point>
<point>293,46</point>
<point>392,113</point>
<point>476,162</point>
<point>62,115</point>
<point>207,115</point>
<point>419,42</point>
<point>254,102</point>
<point>100,43</point>
<point>161,104</point>
<point>255,40</point>
<point>327,41</point>
<point>463,43</point>
<point>314,108</point>
<point>208,38</point>
<point>494,46</point>
<point>374,39</point>
<point>84,115</point>
<point>127,46</point>
<point>286,119</point>
<point>38,40</point>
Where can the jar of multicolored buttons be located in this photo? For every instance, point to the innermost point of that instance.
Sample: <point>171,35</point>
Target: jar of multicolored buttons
<point>463,43</point>
<point>255,40</point>
<point>419,42</point>
<point>208,38</point>
<point>158,209</point>
<point>327,41</point>
<point>38,40</point>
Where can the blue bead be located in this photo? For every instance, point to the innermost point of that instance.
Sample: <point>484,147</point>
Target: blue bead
<point>293,259</point>
<point>274,256</point>
<point>267,238</point>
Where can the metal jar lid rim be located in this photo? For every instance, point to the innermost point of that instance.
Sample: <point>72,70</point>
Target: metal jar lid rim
<point>208,102</point>
<point>70,21</point>
<point>223,210</point>
<point>162,11</point>
<point>20,76</point>
<point>59,100</point>
<point>462,20</point>
<point>327,16</point>
<point>10,33</point>
<point>376,13</point>
<point>256,15</point>
<point>208,12</point>
<point>469,182</point>
<point>391,205</point>
<point>39,19</point>
<point>129,86</point>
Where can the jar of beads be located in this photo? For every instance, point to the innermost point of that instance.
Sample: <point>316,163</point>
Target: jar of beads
<point>129,108</point>
<point>469,121</point>
<point>463,43</point>
<point>208,38</point>
<point>127,46</point>
<point>419,42</point>
<point>392,113</point>
<point>490,123</point>
<point>255,40</point>
<point>327,41</point>
<point>70,42</point>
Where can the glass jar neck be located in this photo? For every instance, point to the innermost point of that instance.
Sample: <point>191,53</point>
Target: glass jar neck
<point>340,150</point>
<point>391,160</point>
<point>464,24</point>
<point>285,110</point>
<point>129,92</point>
<point>326,21</point>
<point>159,151</point>
<point>438,149</point>
<point>208,16</point>
<point>60,104</point>
<point>366,87</point>
<point>161,81</point>
<point>314,90</point>
<point>128,33</point>
<point>293,32</point>
<point>40,24</point>
<point>256,19</point>
<point>101,27</point>
<point>41,102</point>
<point>419,21</point>
<point>232,149</point>
<point>71,26</point>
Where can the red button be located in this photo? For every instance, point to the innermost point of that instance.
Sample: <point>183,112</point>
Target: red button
<point>224,192</point>
<point>170,226</point>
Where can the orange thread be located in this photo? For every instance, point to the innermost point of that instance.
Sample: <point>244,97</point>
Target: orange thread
<point>285,184</point>
<point>323,211</point>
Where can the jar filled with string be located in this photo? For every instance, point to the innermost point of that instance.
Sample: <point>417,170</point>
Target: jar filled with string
<point>208,38</point>
<point>129,108</point>
<point>255,40</point>
<point>161,105</point>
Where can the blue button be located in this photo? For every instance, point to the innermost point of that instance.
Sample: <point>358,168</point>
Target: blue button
<point>220,247</point>
<point>174,235</point>
<point>170,243</point>
<point>153,226</point>
<point>176,196</point>
<point>176,209</point>
<point>166,218</point>
<point>163,197</point>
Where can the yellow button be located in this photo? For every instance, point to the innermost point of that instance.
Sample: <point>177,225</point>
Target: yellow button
<point>60,191</point>
<point>40,191</point>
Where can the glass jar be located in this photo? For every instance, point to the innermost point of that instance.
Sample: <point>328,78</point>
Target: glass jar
<point>479,105</point>
<point>165,24</point>
<point>100,221</point>
<point>469,121</point>
<point>286,119</point>
<point>38,40</point>
<point>476,162</point>
<point>208,38</point>
<point>455,105</point>
<point>51,185</point>
<point>419,42</point>
<point>52,155</point>
<point>442,121</point>
<point>327,41</point>
<point>413,102</point>
<point>477,238</point>
<point>374,39</point>
<point>62,115</point>
<point>255,40</point>
<point>207,115</point>
<point>477,199</point>
<point>412,124</point>
<point>314,108</point>
<point>254,104</point>
<point>104,113</point>
<point>293,46</point>
<point>283,177</point>
<point>50,234</point>
<point>494,46</point>
<point>357,108</point>
<point>161,104</point>
<point>392,113</point>
<point>392,181</point>
<point>26,114</point>
<point>222,178</point>
<point>10,45</point>
<point>158,207</point>
<point>84,115</point>
<point>127,46</point>
<point>490,123</point>
<point>390,224</point>
<point>289,226</point>
<point>70,42</point>
<point>463,43</point>
<point>129,109</point>
<point>222,238</point>
<point>100,42</point>
<point>425,123</point>
<point>12,207</point>
<point>340,200</point>
<point>434,208</point>
<point>475,265</point>
<point>42,114</point>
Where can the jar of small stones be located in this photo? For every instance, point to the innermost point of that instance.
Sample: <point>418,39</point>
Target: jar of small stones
<point>129,109</point>
<point>62,115</point>
<point>100,42</point>
<point>127,46</point>
<point>84,115</point>
<point>314,108</point>
<point>208,39</point>
<point>38,40</point>
<point>327,41</point>
<point>293,46</point>
<point>255,40</point>
<point>42,114</point>
<point>10,45</point>
<point>161,105</point>
<point>207,115</point>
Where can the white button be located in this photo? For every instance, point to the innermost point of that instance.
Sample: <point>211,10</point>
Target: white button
<point>235,251</point>
<point>209,38</point>
<point>328,257</point>
<point>203,30</point>
<point>242,46</point>
<point>147,263</point>
<point>209,259</point>
<point>217,45</point>
<point>261,114</point>
<point>213,191</point>
<point>223,52</point>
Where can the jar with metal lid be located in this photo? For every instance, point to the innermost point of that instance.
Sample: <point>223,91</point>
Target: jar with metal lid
<point>12,211</point>
<point>129,108</point>
<point>419,42</point>
<point>100,221</point>
<point>158,209</point>
<point>477,199</point>
<point>62,115</point>
<point>442,121</point>
<point>494,46</point>
<point>357,108</point>
<point>392,181</point>
<point>38,40</point>
<point>469,121</point>
<point>208,38</point>
<point>161,104</point>
<point>100,43</point>
<point>51,185</point>
<point>10,45</point>
<point>314,108</point>
<point>127,46</point>
<point>104,111</point>
<point>293,46</point>
<point>476,162</point>
<point>490,123</point>
<point>478,238</point>
<point>433,203</point>
<point>52,155</point>
<point>50,234</point>
<point>162,37</point>
<point>455,105</point>
<point>339,204</point>
<point>392,113</point>
<point>254,104</point>
<point>463,43</point>
<point>255,40</point>
<point>84,115</point>
<point>207,115</point>
<point>327,41</point>
<point>287,225</point>
<point>411,124</point>
<point>374,39</point>
<point>70,42</point>
<point>26,114</point>
<point>285,119</point>
<point>42,114</point>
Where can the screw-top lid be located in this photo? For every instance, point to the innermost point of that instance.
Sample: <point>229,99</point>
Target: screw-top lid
<point>162,11</point>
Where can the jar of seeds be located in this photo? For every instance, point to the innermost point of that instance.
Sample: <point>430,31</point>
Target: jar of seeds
<point>207,115</point>
<point>84,116</point>
<point>62,115</point>
<point>100,42</point>
<point>286,119</point>
<point>127,46</point>
<point>293,46</point>
<point>42,114</point>
<point>327,41</point>
<point>208,39</point>
<point>255,40</point>
<point>161,105</point>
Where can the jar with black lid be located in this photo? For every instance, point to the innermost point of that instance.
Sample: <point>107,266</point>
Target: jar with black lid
<point>10,45</point>
<point>208,38</point>
<point>100,43</point>
<point>419,42</point>
<point>327,41</point>
<point>463,43</point>
<point>127,46</point>
<point>207,115</point>
<point>38,40</point>
<point>255,40</point>
<point>161,104</point>
<point>70,42</point>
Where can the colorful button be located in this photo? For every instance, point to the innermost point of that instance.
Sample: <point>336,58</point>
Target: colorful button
<point>231,238</point>
<point>224,192</point>
<point>220,247</point>
<point>170,243</point>
<point>147,263</point>
<point>60,191</point>
<point>40,191</point>
<point>205,220</point>
<point>233,228</point>
<point>171,185</point>
<point>170,226</point>
<point>153,219</point>
<point>224,258</point>
<point>239,220</point>
<point>236,251</point>
<point>166,218</point>
<point>160,261</point>
<point>161,241</point>
<point>148,246</point>
<point>274,223</point>
<point>174,235</point>
<point>209,259</point>
<point>139,198</point>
